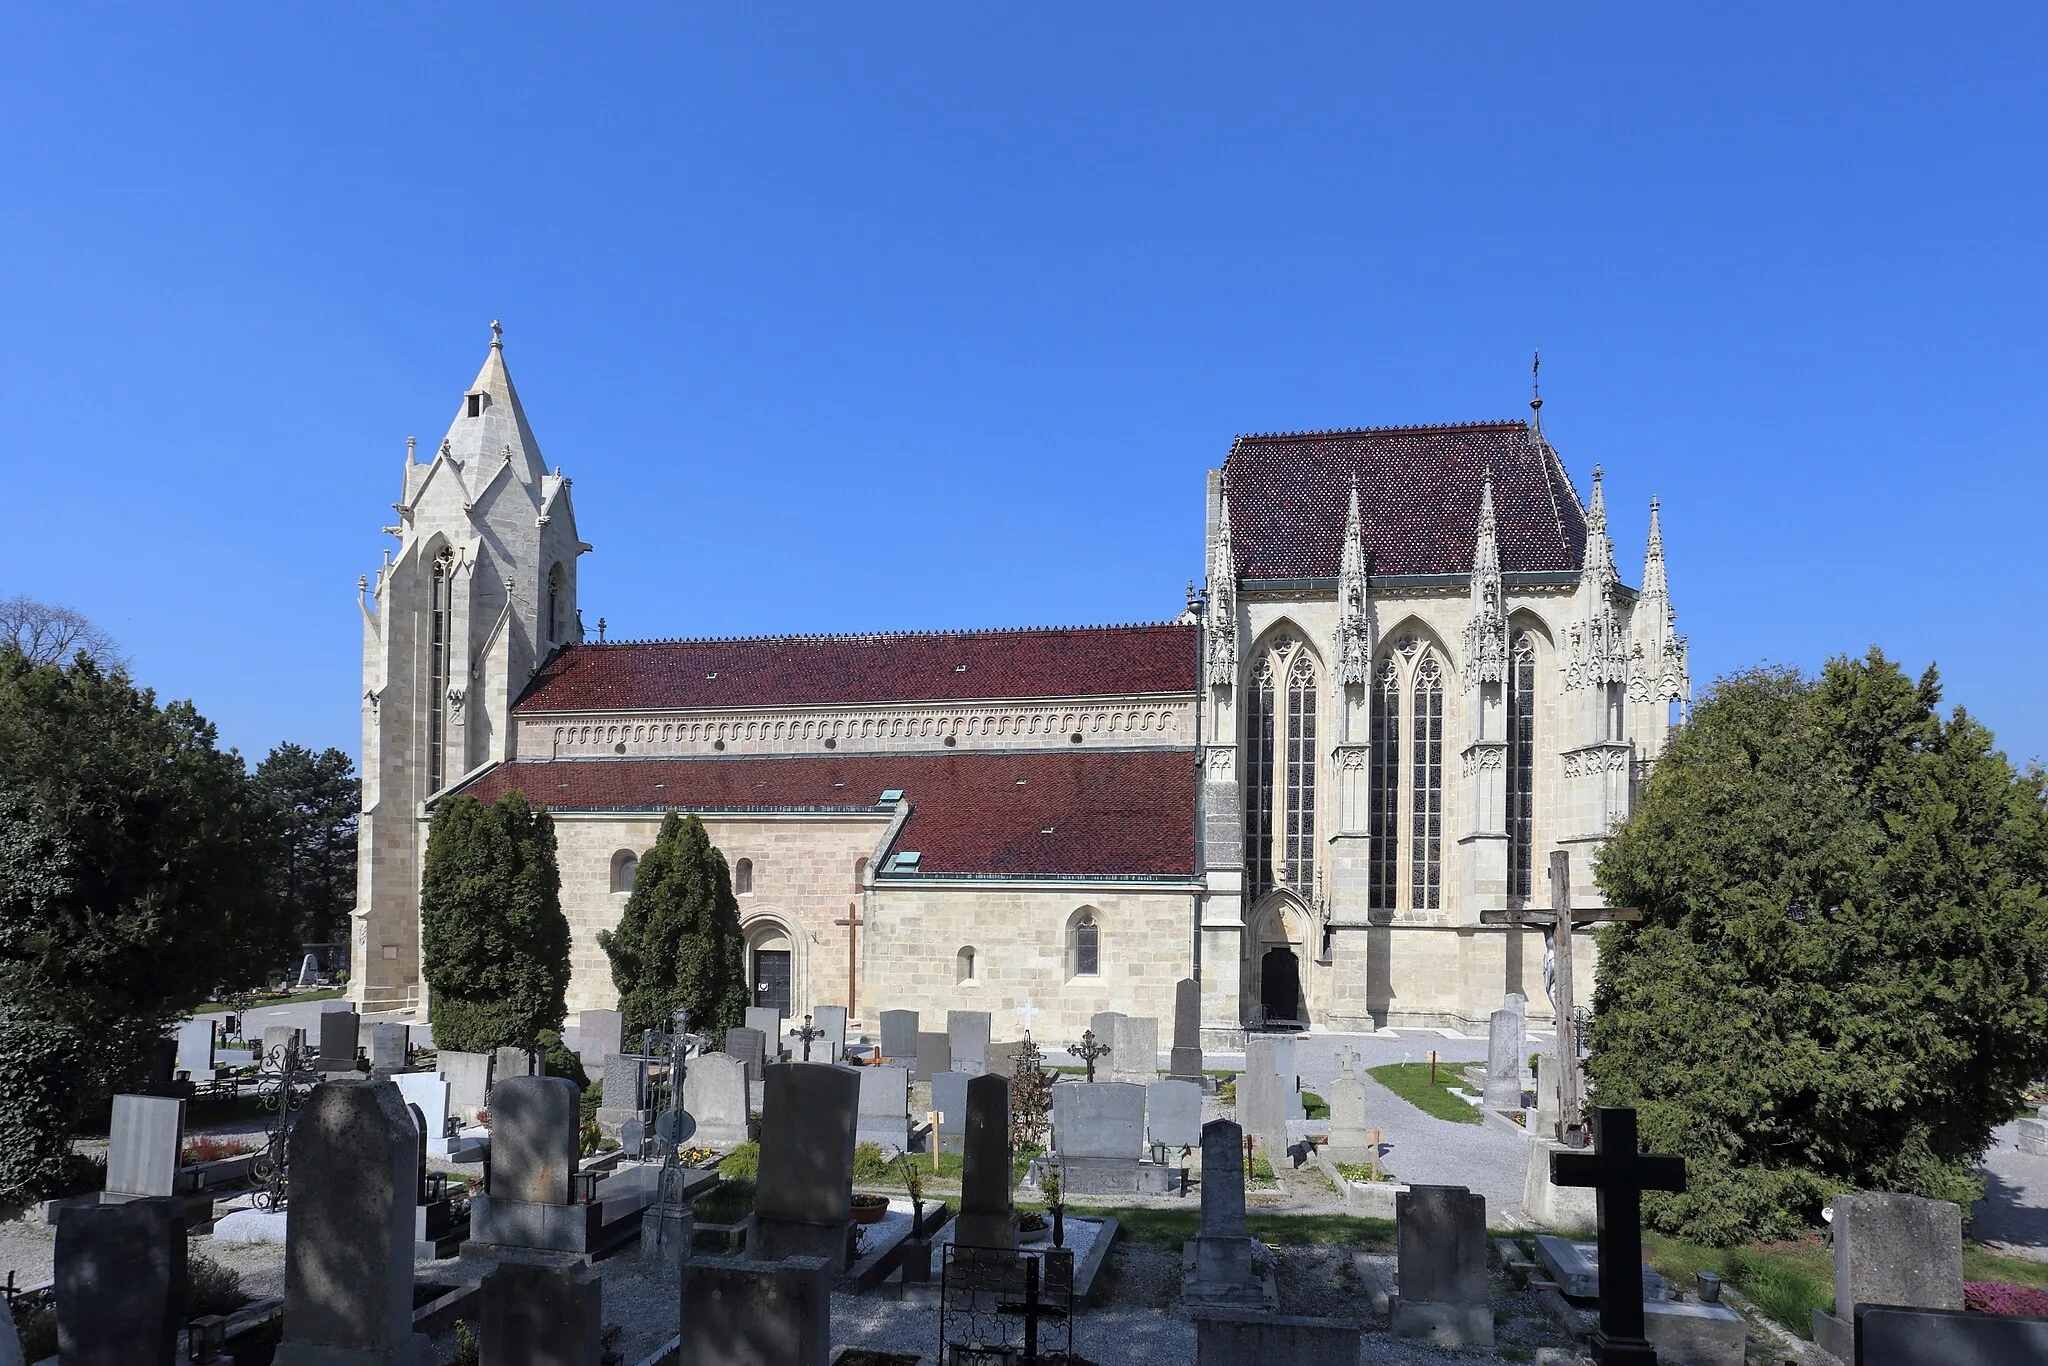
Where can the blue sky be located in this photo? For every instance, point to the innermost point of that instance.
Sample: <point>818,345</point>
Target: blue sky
<point>863,317</point>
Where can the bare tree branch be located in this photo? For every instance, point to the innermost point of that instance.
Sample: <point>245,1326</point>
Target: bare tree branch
<point>49,634</point>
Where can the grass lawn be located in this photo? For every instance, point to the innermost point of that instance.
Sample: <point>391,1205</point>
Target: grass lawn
<point>1167,1229</point>
<point>1410,1081</point>
<point>327,994</point>
<point>948,1174</point>
<point>1315,1105</point>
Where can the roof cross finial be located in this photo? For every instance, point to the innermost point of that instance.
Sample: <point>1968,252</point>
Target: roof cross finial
<point>1536,388</point>
<point>497,333</point>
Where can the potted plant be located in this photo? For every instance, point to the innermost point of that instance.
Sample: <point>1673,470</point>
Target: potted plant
<point>1032,1227</point>
<point>917,1253</point>
<point>1054,1201</point>
<point>913,1182</point>
<point>869,1209</point>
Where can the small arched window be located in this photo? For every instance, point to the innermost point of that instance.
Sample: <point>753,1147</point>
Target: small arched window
<point>1084,945</point>
<point>743,877</point>
<point>963,966</point>
<point>625,867</point>
<point>860,873</point>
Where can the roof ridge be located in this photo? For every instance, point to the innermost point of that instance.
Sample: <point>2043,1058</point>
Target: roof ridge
<point>1482,424</point>
<point>844,637</point>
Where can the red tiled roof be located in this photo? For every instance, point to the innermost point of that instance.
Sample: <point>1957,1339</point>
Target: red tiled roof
<point>1418,499</point>
<point>796,671</point>
<point>1108,812</point>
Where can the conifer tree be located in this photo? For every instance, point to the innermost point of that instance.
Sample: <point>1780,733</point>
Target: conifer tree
<point>678,946</point>
<point>1841,975</point>
<point>493,938</point>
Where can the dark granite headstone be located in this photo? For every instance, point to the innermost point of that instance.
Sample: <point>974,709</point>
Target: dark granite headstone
<point>749,1047</point>
<point>934,1055</point>
<point>1185,1060</point>
<point>757,1313</point>
<point>1002,1060</point>
<point>120,1275</point>
<point>349,1242</point>
<point>340,1040</point>
<point>803,1201</point>
<point>542,1315</point>
<point>987,1214</point>
<point>534,1139</point>
<point>1947,1337</point>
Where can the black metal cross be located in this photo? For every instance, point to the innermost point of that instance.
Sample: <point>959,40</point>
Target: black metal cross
<point>807,1033</point>
<point>1619,1174</point>
<point>1088,1050</point>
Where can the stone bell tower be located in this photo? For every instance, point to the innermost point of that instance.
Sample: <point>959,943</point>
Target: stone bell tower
<point>480,591</point>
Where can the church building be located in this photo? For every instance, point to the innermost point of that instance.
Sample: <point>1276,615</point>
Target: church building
<point>1414,672</point>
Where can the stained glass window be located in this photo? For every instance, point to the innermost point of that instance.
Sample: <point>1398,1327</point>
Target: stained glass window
<point>1426,790</point>
<point>1383,792</point>
<point>1521,764</point>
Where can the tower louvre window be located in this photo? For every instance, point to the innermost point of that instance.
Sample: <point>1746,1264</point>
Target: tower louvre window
<point>476,404</point>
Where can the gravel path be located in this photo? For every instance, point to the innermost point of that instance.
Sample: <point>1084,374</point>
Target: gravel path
<point>2013,1215</point>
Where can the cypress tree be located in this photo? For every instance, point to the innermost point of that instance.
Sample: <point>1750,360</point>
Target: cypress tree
<point>678,946</point>
<point>492,934</point>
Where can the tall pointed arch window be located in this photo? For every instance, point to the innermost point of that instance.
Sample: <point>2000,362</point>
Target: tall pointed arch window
<point>1426,790</point>
<point>1383,791</point>
<point>1280,769</point>
<point>555,604</point>
<point>1259,730</point>
<point>437,668</point>
<point>1521,774</point>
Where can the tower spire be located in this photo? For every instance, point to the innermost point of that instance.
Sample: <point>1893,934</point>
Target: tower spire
<point>1354,636</point>
<point>1653,558</point>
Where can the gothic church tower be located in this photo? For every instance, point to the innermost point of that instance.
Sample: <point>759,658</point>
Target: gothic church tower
<point>480,592</point>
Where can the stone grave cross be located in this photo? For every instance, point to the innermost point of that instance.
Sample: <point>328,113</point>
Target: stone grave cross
<point>1570,1102</point>
<point>1619,1174</point>
<point>1088,1050</point>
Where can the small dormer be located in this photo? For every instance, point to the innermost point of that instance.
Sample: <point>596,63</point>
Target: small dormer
<point>474,402</point>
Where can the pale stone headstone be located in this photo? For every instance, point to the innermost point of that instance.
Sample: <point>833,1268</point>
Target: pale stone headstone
<point>340,1040</point>
<point>349,1244</point>
<point>195,1049</point>
<point>831,1047</point>
<point>387,1048</point>
<point>987,1214</point>
<point>507,1063</point>
<point>967,1037</point>
<point>1901,1251</point>
<point>1348,1140</point>
<point>1173,1113</point>
<point>1266,1098</point>
<point>542,1315</point>
<point>749,1047</point>
<point>120,1280</point>
<point>899,1035</point>
<point>534,1141</point>
<point>469,1082</point>
<point>715,1096</point>
<point>802,1205</point>
<point>768,1020</point>
<point>598,1036</point>
<point>1223,1246</point>
<point>1186,1062</point>
<point>949,1098</point>
<point>1505,1060</point>
<point>309,971</point>
<point>934,1055</point>
<point>279,1040</point>
<point>429,1092</point>
<point>1441,1252</point>
<point>625,1081</point>
<point>885,1107</point>
<point>1104,1120</point>
<point>145,1145</point>
<point>1544,1122</point>
<point>1136,1058</point>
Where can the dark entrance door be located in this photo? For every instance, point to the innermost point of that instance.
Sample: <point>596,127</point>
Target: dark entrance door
<point>771,979</point>
<point>1280,985</point>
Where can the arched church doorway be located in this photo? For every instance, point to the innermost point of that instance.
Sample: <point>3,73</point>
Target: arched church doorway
<point>1280,985</point>
<point>769,968</point>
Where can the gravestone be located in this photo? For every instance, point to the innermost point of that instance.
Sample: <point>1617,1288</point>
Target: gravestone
<point>934,1055</point>
<point>429,1092</point>
<point>145,1144</point>
<point>340,1040</point>
<point>1946,1337</point>
<point>899,1036</point>
<point>1001,1060</point>
<point>541,1315</point>
<point>195,1049</point>
<point>533,1140</point>
<point>949,1098</point>
<point>598,1036</point>
<point>803,1199</point>
<point>625,1092</point>
<point>885,1107</point>
<point>1266,1098</point>
<point>715,1096</point>
<point>1105,1024</point>
<point>2032,1133</point>
<point>387,1048</point>
<point>1222,1272</point>
<point>279,1040</point>
<point>507,1063</point>
<point>309,971</point>
<point>10,1343</point>
<point>1185,1062</point>
<point>1505,1060</point>
<point>967,1036</point>
<point>469,1082</point>
<point>768,1020</point>
<point>1620,1172</point>
<point>120,1281</point>
<point>349,1244</point>
<point>1544,1122</point>
<point>1099,1133</point>
<point>750,1048</point>
<point>987,1215</point>
<point>757,1313</point>
<point>1441,1254</point>
<point>1348,1140</point>
<point>1136,1058</point>
<point>831,1046</point>
<point>1173,1113</point>
<point>1899,1251</point>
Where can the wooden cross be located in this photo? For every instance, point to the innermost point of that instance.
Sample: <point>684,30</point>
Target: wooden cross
<point>1619,1175</point>
<point>853,922</point>
<point>1560,920</point>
